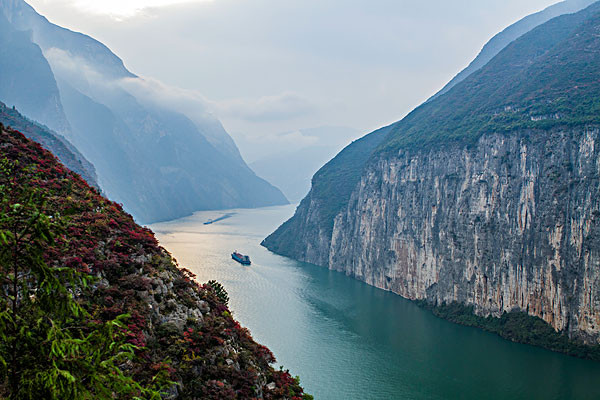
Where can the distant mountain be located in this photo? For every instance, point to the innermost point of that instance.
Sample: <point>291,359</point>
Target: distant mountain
<point>291,167</point>
<point>482,203</point>
<point>26,79</point>
<point>507,36</point>
<point>58,145</point>
<point>159,162</point>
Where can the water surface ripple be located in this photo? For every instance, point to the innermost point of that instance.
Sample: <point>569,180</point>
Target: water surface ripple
<point>348,340</point>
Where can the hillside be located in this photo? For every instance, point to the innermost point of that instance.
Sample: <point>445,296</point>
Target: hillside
<point>482,200</point>
<point>157,160</point>
<point>179,327</point>
<point>331,188</point>
<point>55,143</point>
<point>542,80</point>
<point>511,33</point>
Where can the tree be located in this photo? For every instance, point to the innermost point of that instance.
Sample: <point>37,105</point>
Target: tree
<point>220,292</point>
<point>51,347</point>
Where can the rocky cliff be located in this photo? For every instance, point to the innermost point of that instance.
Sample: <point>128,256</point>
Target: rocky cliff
<point>486,196</point>
<point>512,223</point>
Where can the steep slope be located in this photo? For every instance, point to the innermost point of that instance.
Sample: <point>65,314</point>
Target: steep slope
<point>516,30</point>
<point>58,145</point>
<point>159,162</point>
<point>486,196</point>
<point>174,321</point>
<point>306,236</point>
<point>26,80</point>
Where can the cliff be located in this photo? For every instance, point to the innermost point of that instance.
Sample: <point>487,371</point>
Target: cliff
<point>485,197</point>
<point>178,326</point>
<point>512,223</point>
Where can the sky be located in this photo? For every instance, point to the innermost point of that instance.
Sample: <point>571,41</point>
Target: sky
<point>270,66</point>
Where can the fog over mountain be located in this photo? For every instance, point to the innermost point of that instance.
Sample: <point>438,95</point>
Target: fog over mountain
<point>269,66</point>
<point>292,158</point>
<point>156,149</point>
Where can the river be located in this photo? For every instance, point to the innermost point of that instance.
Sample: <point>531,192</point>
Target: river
<point>348,340</point>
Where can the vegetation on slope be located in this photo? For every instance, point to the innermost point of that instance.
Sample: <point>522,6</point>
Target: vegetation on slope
<point>331,189</point>
<point>93,277</point>
<point>59,146</point>
<point>545,79</point>
<point>510,34</point>
<point>516,326</point>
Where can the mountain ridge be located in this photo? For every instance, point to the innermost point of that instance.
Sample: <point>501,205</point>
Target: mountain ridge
<point>160,163</point>
<point>481,198</point>
<point>52,142</point>
<point>510,34</point>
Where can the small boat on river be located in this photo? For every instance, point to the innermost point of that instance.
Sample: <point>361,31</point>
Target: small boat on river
<point>221,218</point>
<point>242,259</point>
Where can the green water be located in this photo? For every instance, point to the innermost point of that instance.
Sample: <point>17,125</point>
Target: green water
<point>348,340</point>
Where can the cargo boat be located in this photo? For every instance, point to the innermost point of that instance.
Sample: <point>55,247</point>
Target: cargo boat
<point>242,259</point>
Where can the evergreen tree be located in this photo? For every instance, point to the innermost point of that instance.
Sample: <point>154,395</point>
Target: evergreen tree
<point>50,346</point>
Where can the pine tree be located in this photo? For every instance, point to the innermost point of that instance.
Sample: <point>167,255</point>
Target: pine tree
<point>50,346</point>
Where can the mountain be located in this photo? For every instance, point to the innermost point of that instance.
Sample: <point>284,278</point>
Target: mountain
<point>507,36</point>
<point>160,162</point>
<point>178,327</point>
<point>26,80</point>
<point>482,201</point>
<point>293,157</point>
<point>51,141</point>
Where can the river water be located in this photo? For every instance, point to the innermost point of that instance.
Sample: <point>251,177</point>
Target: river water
<point>348,340</point>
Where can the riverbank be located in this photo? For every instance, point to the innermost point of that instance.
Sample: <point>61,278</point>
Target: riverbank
<point>517,327</point>
<point>349,340</point>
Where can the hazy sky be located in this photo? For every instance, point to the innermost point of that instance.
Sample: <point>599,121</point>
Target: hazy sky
<point>270,66</point>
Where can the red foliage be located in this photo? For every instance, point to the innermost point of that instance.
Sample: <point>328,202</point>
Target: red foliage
<point>100,238</point>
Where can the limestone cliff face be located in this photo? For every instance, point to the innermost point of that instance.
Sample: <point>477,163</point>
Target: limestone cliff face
<point>512,223</point>
<point>486,196</point>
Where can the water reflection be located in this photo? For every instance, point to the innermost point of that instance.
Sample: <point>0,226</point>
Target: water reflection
<point>348,340</point>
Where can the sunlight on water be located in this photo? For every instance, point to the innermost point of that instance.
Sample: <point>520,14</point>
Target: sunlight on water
<point>348,340</point>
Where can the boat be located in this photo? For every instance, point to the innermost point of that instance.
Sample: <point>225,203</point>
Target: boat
<point>221,218</point>
<point>242,259</point>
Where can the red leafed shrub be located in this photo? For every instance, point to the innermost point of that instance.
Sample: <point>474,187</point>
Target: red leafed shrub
<point>214,357</point>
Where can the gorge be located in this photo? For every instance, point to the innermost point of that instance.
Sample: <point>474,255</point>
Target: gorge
<point>485,196</point>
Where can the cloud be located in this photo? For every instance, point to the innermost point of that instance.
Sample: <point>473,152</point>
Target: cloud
<point>284,106</point>
<point>120,9</point>
<point>296,140</point>
<point>155,93</point>
<point>148,91</point>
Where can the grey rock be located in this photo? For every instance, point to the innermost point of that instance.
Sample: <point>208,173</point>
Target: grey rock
<point>512,223</point>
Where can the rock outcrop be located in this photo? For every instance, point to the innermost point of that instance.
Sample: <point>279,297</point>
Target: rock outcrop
<point>510,224</point>
<point>486,196</point>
